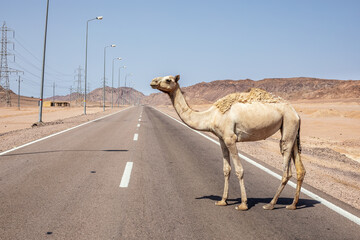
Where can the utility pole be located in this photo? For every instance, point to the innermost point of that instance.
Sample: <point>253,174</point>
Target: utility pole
<point>112,82</point>
<point>19,81</point>
<point>103,82</point>
<point>119,85</point>
<point>88,87</point>
<point>53,94</point>
<point>118,90</point>
<point>70,95</point>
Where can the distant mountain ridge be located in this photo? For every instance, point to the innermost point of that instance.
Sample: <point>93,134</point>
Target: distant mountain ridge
<point>288,88</point>
<point>127,96</point>
<point>298,88</point>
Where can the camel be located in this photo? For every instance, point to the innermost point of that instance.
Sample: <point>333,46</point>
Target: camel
<point>241,117</point>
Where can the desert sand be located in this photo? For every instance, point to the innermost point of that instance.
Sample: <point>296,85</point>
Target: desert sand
<point>16,127</point>
<point>13,119</point>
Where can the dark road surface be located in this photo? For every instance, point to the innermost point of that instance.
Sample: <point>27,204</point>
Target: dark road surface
<point>67,187</point>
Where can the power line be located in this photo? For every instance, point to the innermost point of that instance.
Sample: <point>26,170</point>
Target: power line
<point>27,61</point>
<point>31,66</point>
<point>40,61</point>
<point>34,66</point>
<point>18,42</point>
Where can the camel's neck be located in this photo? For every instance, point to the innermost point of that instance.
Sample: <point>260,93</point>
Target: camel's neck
<point>196,120</point>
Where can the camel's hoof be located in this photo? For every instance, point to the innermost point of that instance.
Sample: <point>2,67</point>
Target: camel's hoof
<point>268,206</point>
<point>291,207</point>
<point>242,207</point>
<point>221,203</point>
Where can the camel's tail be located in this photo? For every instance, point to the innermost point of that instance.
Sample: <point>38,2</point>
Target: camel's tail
<point>298,137</point>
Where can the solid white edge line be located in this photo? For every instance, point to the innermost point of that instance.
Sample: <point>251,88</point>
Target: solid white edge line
<point>58,133</point>
<point>126,175</point>
<point>314,196</point>
<point>136,137</point>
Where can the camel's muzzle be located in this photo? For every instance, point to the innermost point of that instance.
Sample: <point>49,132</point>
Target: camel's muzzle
<point>154,84</point>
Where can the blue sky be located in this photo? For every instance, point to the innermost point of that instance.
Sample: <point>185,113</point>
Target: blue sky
<point>200,40</point>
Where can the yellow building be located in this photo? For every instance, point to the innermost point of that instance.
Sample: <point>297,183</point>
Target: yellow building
<point>56,104</point>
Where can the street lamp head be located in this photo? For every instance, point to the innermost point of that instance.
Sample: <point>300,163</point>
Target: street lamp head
<point>113,45</point>
<point>119,58</point>
<point>99,17</point>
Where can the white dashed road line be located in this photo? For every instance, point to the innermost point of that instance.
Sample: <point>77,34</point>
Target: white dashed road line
<point>126,175</point>
<point>136,137</point>
<point>128,168</point>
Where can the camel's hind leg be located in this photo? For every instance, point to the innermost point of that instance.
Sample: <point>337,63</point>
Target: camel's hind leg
<point>285,178</point>
<point>300,174</point>
<point>289,146</point>
<point>227,170</point>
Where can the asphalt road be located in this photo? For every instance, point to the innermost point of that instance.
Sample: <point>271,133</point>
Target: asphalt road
<point>67,187</point>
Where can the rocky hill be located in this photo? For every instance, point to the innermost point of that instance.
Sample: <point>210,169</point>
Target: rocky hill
<point>300,88</point>
<point>287,88</point>
<point>125,95</point>
<point>25,101</point>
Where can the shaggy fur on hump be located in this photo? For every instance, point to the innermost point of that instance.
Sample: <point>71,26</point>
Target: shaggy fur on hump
<point>254,95</point>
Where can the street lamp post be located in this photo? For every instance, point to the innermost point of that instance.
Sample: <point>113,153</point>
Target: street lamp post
<point>43,65</point>
<point>119,85</point>
<point>112,45</point>
<point>112,81</point>
<point>87,28</point>
<point>127,75</point>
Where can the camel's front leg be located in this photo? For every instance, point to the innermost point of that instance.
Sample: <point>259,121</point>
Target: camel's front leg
<point>227,170</point>
<point>231,145</point>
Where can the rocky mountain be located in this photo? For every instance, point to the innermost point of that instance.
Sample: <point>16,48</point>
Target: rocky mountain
<point>124,95</point>
<point>24,101</point>
<point>287,88</point>
<point>208,92</point>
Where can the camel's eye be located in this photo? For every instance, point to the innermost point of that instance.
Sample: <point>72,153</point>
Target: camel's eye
<point>168,80</point>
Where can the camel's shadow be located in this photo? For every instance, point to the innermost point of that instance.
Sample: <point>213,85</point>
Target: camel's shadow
<point>281,203</point>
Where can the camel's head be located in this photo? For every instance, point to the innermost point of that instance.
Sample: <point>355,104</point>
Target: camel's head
<point>165,84</point>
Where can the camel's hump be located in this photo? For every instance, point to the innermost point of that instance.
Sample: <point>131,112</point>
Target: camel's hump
<point>254,95</point>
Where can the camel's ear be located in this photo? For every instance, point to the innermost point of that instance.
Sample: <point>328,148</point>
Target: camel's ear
<point>177,78</point>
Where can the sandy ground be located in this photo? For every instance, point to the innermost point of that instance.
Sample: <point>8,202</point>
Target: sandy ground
<point>16,126</point>
<point>330,139</point>
<point>13,119</point>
